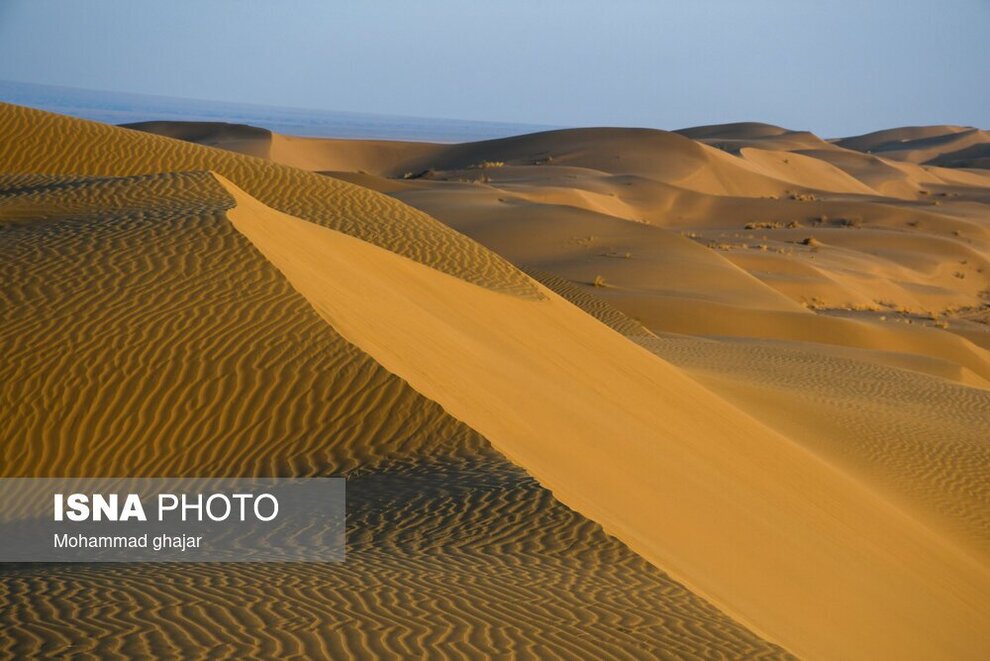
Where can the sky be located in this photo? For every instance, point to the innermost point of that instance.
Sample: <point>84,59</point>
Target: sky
<point>835,67</point>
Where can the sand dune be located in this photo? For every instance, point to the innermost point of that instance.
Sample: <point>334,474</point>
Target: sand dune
<point>94,149</point>
<point>238,138</point>
<point>735,137</point>
<point>805,171</point>
<point>952,146</point>
<point>148,337</point>
<point>756,359</point>
<point>657,155</point>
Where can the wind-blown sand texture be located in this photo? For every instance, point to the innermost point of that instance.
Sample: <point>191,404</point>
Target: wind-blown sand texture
<point>782,424</point>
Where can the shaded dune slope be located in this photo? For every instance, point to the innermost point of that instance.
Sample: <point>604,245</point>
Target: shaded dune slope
<point>446,560</point>
<point>160,335</point>
<point>239,138</point>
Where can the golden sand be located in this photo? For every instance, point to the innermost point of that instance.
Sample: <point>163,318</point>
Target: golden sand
<point>755,358</point>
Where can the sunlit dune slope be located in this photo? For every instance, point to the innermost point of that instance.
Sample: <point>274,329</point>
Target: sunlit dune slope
<point>648,472</point>
<point>916,437</point>
<point>895,420</point>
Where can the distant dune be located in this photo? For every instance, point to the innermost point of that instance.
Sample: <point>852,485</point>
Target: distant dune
<point>723,392</point>
<point>239,138</point>
<point>950,146</point>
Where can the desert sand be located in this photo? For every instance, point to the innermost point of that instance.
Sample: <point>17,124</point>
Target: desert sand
<point>598,392</point>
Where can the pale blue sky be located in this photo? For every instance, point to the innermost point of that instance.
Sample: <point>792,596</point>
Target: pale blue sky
<point>836,67</point>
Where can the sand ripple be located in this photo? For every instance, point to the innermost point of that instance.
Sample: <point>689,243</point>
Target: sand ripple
<point>458,559</point>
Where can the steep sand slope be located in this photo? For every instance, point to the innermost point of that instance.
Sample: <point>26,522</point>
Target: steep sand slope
<point>886,585</point>
<point>142,334</point>
<point>919,438</point>
<point>903,427</point>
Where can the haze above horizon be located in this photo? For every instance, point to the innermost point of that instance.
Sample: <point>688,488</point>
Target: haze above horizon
<point>835,69</point>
